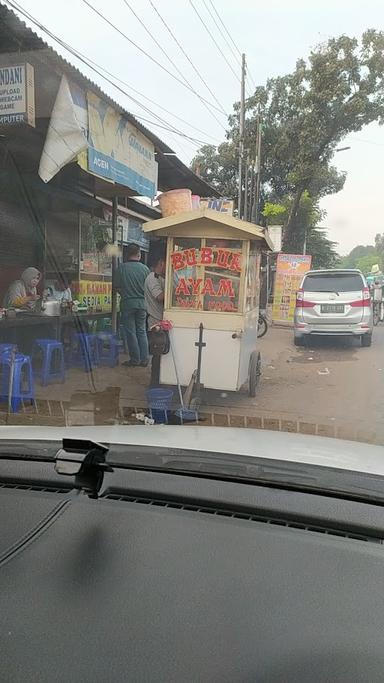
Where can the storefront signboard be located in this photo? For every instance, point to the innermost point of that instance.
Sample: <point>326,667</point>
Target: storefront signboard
<point>95,294</point>
<point>290,269</point>
<point>17,94</point>
<point>118,151</point>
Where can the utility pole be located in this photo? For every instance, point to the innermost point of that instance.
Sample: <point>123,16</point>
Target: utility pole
<point>257,169</point>
<point>241,137</point>
<point>245,212</point>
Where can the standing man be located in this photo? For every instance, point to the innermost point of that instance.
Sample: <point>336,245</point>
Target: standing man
<point>130,279</point>
<point>154,299</point>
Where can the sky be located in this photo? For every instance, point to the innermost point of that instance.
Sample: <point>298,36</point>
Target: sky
<point>272,34</point>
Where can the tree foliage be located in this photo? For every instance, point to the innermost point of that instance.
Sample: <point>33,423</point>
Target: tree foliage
<point>305,115</point>
<point>357,253</point>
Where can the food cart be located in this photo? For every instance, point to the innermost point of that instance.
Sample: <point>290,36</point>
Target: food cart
<point>212,299</point>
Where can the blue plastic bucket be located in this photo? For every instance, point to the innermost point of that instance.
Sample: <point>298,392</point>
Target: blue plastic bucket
<point>159,403</point>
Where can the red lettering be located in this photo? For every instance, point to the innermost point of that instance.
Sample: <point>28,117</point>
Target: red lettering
<point>182,287</point>
<point>195,284</point>
<point>222,258</point>
<point>236,262</point>
<point>226,289</point>
<point>206,255</point>
<point>208,287</point>
<point>190,256</point>
<point>178,260</point>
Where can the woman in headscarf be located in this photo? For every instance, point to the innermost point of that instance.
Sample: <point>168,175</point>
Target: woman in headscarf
<point>23,293</point>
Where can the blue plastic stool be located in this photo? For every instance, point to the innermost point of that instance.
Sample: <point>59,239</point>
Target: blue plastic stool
<point>84,351</point>
<point>108,348</point>
<point>7,348</point>
<point>52,367</point>
<point>159,403</point>
<point>22,386</point>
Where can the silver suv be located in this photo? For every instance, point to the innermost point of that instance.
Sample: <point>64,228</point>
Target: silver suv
<point>333,302</point>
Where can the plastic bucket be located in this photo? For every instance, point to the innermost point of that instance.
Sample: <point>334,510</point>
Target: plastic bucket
<point>195,202</point>
<point>159,403</point>
<point>175,201</point>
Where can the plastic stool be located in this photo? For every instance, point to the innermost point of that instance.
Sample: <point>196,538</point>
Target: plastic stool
<point>84,351</point>
<point>52,367</point>
<point>159,403</point>
<point>7,348</point>
<point>22,386</point>
<point>108,348</point>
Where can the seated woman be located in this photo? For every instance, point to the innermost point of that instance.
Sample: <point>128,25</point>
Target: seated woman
<point>23,293</point>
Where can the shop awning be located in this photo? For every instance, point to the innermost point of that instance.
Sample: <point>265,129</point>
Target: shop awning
<point>207,223</point>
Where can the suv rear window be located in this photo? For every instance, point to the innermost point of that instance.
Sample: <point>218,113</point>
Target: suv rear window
<point>342,282</point>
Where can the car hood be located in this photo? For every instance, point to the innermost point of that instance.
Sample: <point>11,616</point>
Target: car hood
<point>300,448</point>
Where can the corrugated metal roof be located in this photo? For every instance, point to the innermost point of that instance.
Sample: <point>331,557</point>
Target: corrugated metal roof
<point>16,36</point>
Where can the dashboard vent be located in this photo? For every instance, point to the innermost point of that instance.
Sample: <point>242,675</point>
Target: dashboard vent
<point>237,514</point>
<point>34,487</point>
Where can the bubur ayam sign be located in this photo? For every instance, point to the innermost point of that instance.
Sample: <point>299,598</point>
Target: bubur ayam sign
<point>213,291</point>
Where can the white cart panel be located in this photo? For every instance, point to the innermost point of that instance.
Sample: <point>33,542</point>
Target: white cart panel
<point>219,364</point>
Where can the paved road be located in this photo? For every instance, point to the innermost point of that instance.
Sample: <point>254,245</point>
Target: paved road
<point>334,385</point>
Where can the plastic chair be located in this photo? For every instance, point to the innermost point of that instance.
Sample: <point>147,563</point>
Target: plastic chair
<point>52,366</point>
<point>159,403</point>
<point>108,348</point>
<point>22,384</point>
<point>84,351</point>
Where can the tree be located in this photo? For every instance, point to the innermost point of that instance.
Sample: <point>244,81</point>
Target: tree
<point>305,116</point>
<point>357,253</point>
<point>366,262</point>
<point>323,250</point>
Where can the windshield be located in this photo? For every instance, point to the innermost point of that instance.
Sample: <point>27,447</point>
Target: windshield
<point>171,188</point>
<point>333,282</point>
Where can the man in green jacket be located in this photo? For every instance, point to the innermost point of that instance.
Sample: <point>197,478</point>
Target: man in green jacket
<point>130,279</point>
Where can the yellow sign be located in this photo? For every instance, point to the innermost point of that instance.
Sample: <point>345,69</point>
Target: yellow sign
<point>290,269</point>
<point>95,294</point>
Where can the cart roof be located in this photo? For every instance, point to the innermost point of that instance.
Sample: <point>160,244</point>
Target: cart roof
<point>219,225</point>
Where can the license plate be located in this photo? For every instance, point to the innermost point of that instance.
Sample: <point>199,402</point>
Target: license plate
<point>332,308</point>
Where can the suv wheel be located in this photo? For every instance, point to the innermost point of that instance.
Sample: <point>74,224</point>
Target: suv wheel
<point>366,339</point>
<point>298,340</point>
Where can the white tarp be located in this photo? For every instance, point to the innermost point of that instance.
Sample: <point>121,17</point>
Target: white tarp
<point>66,135</point>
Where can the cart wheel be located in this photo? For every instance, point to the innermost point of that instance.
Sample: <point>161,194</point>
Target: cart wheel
<point>254,372</point>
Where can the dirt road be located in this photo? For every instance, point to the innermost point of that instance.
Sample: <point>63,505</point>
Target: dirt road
<point>333,386</point>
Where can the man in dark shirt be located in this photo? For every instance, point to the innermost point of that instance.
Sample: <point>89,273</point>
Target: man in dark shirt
<point>130,279</point>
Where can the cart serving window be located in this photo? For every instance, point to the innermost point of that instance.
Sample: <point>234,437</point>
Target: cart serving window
<point>205,274</point>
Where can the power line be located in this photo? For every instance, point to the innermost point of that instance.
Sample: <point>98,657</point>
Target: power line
<point>230,36</point>
<point>124,35</point>
<point>238,61</point>
<point>223,36</point>
<point>175,65</point>
<point>185,54</point>
<point>92,66</point>
<point>213,39</point>
<point>145,27</point>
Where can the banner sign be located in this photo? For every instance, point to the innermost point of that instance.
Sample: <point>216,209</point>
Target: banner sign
<point>17,94</point>
<point>95,294</point>
<point>206,279</point>
<point>118,151</point>
<point>223,205</point>
<point>290,269</point>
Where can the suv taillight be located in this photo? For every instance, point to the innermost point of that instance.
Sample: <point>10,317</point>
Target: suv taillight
<point>300,301</point>
<point>365,302</point>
